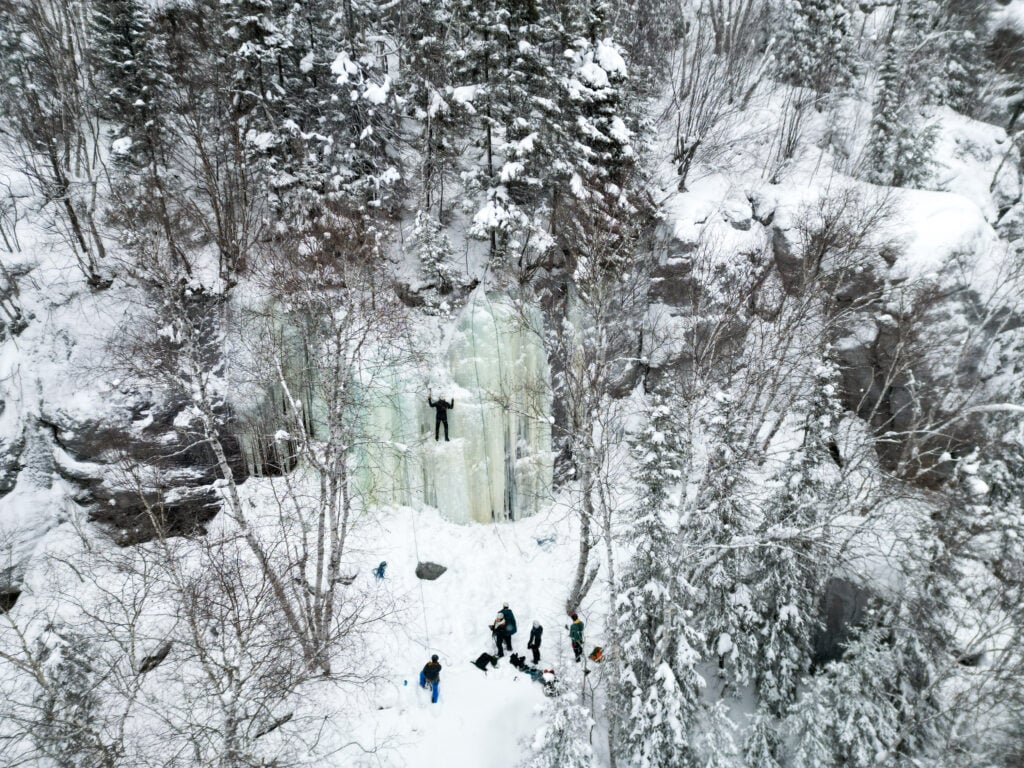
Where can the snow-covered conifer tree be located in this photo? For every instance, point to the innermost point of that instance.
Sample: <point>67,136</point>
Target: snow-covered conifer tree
<point>816,48</point>
<point>564,740</point>
<point>595,159</point>
<point>789,572</point>
<point>763,747</point>
<point>899,151</point>
<point>434,252</point>
<point>70,729</point>
<point>659,687</point>
<point>444,114</point>
<point>130,74</point>
<point>323,131</point>
<point>646,31</point>
<point>911,75</point>
<point>722,514</point>
<point>847,715</point>
<point>511,63</point>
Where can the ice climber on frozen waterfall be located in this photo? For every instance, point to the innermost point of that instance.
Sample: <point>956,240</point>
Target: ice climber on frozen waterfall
<point>441,407</point>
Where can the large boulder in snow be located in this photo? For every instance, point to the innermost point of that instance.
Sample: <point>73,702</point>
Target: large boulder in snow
<point>429,571</point>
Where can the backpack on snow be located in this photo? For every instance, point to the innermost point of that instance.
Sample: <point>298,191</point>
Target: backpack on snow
<point>485,659</point>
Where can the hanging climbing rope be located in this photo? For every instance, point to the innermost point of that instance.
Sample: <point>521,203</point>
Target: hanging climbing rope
<point>423,597</point>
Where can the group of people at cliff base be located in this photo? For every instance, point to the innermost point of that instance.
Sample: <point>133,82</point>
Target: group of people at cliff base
<point>504,626</point>
<point>502,629</point>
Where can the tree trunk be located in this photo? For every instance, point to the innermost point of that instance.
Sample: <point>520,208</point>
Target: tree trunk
<point>584,579</point>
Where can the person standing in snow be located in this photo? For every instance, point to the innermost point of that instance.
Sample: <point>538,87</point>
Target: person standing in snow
<point>441,414</point>
<point>510,621</point>
<point>534,642</point>
<point>501,636</point>
<point>430,677</point>
<point>576,635</point>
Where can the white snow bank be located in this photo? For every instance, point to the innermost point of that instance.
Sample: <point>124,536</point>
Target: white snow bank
<point>935,227</point>
<point>26,514</point>
<point>1009,16</point>
<point>976,160</point>
<point>713,208</point>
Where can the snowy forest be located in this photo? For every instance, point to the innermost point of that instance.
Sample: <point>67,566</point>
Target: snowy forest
<point>691,331</point>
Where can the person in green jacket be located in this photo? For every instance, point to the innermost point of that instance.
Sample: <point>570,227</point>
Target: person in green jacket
<point>576,635</point>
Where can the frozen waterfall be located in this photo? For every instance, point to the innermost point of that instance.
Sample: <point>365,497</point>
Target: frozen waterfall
<point>498,465</point>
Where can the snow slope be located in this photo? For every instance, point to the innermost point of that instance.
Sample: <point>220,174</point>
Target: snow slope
<point>482,720</point>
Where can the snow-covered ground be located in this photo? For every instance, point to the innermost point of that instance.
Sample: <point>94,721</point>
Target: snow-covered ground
<point>484,720</point>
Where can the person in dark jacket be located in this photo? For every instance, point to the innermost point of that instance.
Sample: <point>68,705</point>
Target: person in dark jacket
<point>510,620</point>
<point>430,677</point>
<point>441,415</point>
<point>534,642</point>
<point>501,635</point>
<point>576,635</point>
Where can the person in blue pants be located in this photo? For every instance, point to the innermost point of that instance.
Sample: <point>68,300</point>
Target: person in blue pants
<point>431,675</point>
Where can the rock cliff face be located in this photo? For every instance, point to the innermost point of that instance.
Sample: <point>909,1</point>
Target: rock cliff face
<point>73,435</point>
<point>916,301</point>
<point>140,473</point>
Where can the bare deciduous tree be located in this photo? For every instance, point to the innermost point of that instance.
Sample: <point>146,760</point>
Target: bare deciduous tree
<point>53,114</point>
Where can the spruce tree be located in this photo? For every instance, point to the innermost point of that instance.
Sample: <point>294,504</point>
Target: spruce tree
<point>434,48</point>
<point>763,747</point>
<point>564,741</point>
<point>512,64</point>
<point>70,727</point>
<point>556,130</point>
<point>879,703</point>
<point>788,575</point>
<point>722,515</point>
<point>816,45</point>
<point>131,75</point>
<point>317,118</point>
<point>848,714</point>
<point>434,252</point>
<point>659,685</point>
<point>912,75</point>
<point>899,151</point>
